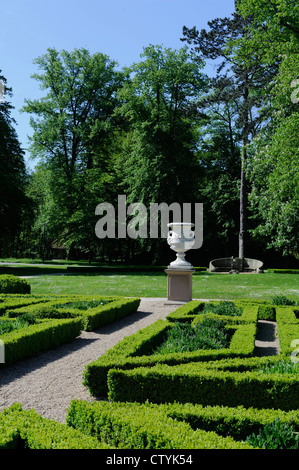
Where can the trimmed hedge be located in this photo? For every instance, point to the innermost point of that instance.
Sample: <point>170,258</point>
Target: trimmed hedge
<point>136,351</point>
<point>195,383</point>
<point>48,334</point>
<point>20,429</point>
<point>8,302</point>
<point>10,284</point>
<point>193,309</point>
<point>56,325</point>
<point>104,420</point>
<point>131,426</point>
<point>93,318</point>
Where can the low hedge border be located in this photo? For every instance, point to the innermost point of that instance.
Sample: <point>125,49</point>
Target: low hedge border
<point>16,301</point>
<point>131,426</point>
<point>20,429</point>
<point>93,318</point>
<point>237,422</point>
<point>136,351</point>
<point>190,311</point>
<point>195,383</point>
<point>31,340</point>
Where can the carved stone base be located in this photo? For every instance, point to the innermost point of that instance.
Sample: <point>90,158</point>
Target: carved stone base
<point>179,285</point>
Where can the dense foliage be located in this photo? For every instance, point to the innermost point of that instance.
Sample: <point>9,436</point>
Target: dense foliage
<point>161,131</point>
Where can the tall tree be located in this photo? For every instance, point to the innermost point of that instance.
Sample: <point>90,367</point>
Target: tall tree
<point>243,83</point>
<point>273,171</point>
<point>73,133</point>
<point>158,163</point>
<point>13,201</point>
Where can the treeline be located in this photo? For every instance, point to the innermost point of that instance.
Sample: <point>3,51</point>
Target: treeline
<point>163,131</point>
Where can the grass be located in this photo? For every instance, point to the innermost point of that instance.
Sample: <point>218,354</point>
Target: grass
<point>154,284</point>
<point>205,286</point>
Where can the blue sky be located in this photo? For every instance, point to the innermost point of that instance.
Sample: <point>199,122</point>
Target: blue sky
<point>117,28</point>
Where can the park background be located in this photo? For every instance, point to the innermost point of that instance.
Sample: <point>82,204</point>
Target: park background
<point>138,100</point>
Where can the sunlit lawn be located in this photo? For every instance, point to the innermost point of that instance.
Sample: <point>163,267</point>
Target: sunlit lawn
<point>205,285</point>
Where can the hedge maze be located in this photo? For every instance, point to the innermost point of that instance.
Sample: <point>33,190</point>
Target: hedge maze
<point>208,398</point>
<point>51,321</point>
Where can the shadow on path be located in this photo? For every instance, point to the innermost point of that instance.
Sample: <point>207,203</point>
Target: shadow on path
<point>266,343</point>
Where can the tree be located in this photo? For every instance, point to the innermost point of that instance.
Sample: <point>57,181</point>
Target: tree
<point>275,160</point>
<point>73,135</point>
<point>243,83</point>
<point>13,176</point>
<point>219,186</point>
<point>158,162</point>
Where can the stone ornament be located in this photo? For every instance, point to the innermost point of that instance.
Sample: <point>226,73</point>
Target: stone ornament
<point>180,238</point>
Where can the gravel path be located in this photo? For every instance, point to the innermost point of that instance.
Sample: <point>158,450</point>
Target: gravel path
<point>50,381</point>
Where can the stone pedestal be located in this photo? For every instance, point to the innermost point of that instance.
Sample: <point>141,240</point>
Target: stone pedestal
<point>179,285</point>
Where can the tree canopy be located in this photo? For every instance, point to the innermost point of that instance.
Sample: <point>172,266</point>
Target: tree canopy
<point>163,131</point>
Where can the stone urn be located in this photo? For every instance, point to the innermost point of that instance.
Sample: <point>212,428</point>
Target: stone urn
<point>180,238</point>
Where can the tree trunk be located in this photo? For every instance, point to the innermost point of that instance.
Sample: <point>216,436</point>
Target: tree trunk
<point>242,212</point>
<point>243,188</point>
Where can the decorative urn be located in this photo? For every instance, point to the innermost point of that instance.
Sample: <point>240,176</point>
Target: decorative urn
<point>180,238</point>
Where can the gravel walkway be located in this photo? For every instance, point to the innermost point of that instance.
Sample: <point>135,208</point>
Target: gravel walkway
<point>50,381</point>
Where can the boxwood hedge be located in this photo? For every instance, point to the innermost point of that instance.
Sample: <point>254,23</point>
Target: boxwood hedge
<point>136,351</point>
<point>197,383</point>
<point>130,426</point>
<point>56,321</point>
<point>111,309</point>
<point>149,424</point>
<point>22,429</point>
<point>10,284</point>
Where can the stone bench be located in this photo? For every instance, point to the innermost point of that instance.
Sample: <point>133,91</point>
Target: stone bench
<point>236,264</point>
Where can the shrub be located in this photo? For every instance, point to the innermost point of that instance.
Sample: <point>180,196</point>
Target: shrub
<point>22,429</point>
<point>84,304</point>
<point>238,314</point>
<point>134,426</point>
<point>238,422</point>
<point>108,310</point>
<point>199,383</point>
<point>33,339</point>
<point>10,284</point>
<point>137,351</point>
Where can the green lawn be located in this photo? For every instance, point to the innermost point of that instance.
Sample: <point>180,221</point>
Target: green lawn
<point>205,285</point>
<point>153,284</point>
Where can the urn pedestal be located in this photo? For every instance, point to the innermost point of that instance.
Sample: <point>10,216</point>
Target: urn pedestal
<point>179,285</point>
<point>179,273</point>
